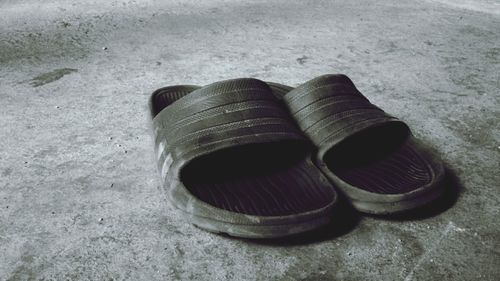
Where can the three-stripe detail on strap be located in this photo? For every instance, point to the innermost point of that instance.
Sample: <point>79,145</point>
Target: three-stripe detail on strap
<point>222,116</point>
<point>329,107</point>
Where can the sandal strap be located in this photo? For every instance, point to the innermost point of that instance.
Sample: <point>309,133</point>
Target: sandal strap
<point>329,109</point>
<point>221,115</point>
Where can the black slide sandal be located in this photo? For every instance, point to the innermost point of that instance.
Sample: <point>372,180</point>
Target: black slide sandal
<point>369,155</point>
<point>234,162</point>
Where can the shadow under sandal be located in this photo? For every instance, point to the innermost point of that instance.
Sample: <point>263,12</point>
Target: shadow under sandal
<point>369,155</point>
<point>233,161</point>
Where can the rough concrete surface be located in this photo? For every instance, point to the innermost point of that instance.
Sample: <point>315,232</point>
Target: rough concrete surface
<point>80,196</point>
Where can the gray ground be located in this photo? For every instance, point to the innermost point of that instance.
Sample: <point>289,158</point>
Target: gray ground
<point>80,196</point>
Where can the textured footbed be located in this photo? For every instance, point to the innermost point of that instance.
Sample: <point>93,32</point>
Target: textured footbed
<point>265,179</point>
<point>381,160</point>
<point>385,168</point>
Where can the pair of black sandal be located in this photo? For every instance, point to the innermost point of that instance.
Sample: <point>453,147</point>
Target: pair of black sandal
<point>258,159</point>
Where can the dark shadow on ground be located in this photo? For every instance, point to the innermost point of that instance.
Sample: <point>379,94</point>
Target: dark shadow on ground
<point>452,190</point>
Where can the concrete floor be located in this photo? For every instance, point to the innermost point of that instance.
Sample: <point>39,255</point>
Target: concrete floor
<point>80,196</point>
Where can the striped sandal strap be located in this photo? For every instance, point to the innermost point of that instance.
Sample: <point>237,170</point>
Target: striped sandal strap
<point>329,109</point>
<point>219,116</point>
